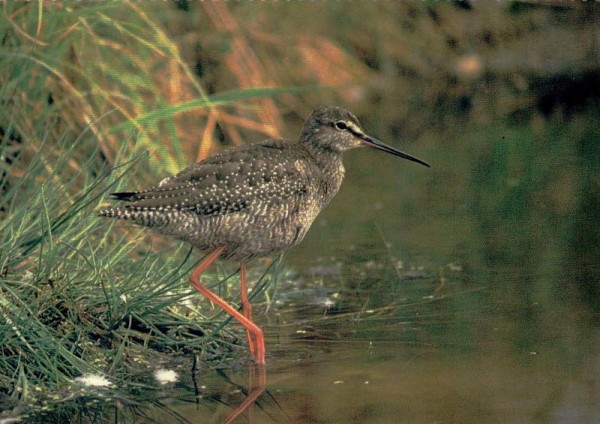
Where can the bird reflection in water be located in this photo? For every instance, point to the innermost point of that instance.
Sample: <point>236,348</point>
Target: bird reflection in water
<point>257,383</point>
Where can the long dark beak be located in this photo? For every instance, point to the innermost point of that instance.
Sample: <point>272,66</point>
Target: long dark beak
<point>373,142</point>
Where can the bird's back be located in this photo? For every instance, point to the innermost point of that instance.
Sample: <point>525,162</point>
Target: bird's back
<point>258,199</point>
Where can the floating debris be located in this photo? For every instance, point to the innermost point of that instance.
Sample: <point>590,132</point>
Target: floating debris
<point>93,380</point>
<point>164,376</point>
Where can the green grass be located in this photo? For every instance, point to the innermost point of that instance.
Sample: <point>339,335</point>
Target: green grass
<point>79,297</point>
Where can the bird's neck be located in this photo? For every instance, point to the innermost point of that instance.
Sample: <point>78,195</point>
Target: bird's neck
<point>327,159</point>
<point>324,155</point>
<point>332,170</point>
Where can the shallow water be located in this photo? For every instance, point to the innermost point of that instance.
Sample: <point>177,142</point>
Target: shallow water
<point>418,360</point>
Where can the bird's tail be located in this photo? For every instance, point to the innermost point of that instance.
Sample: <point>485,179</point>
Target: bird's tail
<point>120,213</point>
<point>140,215</point>
<point>126,196</point>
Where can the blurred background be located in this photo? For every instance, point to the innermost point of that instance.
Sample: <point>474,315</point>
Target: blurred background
<point>469,291</point>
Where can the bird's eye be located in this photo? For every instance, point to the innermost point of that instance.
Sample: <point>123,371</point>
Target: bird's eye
<point>341,125</point>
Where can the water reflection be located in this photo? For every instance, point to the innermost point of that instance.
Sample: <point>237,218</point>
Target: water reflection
<point>257,383</point>
<point>423,352</point>
<point>425,362</point>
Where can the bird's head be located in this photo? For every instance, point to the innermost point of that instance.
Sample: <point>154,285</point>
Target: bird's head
<point>334,129</point>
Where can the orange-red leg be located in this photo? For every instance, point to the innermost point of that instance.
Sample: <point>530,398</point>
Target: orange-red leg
<point>247,306</point>
<point>257,345</point>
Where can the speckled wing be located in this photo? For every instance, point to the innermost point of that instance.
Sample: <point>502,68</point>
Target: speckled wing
<point>271,171</point>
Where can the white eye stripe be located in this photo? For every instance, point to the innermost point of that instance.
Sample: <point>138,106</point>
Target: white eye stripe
<point>354,128</point>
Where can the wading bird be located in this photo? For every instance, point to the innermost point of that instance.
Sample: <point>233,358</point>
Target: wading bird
<point>250,201</point>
